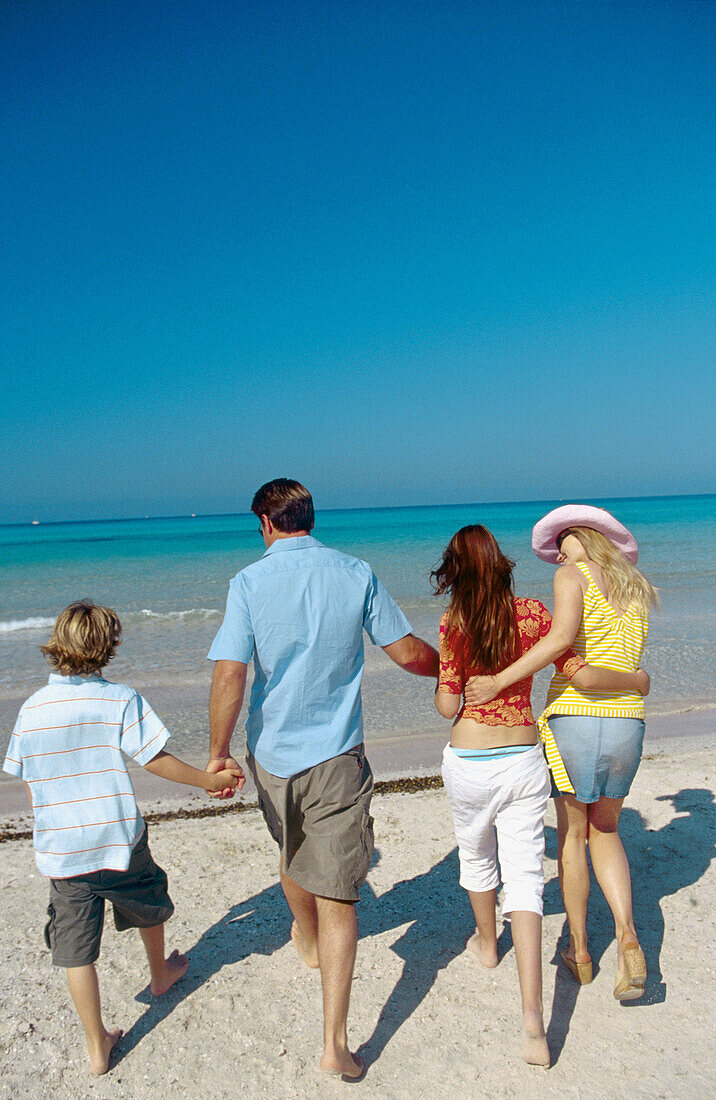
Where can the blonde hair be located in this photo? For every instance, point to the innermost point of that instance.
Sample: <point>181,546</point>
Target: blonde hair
<point>84,639</point>
<point>625,584</point>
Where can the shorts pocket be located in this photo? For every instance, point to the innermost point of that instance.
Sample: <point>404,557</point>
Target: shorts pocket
<point>366,848</point>
<point>49,931</point>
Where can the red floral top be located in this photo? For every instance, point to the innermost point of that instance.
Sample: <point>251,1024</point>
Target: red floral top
<point>512,708</point>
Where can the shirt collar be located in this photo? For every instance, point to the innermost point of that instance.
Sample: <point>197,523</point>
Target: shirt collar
<point>75,681</point>
<point>297,542</point>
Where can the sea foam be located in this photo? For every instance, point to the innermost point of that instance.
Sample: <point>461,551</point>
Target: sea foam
<point>200,614</point>
<point>11,626</point>
<point>40,622</point>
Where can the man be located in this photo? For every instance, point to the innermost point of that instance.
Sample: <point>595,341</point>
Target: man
<point>301,611</point>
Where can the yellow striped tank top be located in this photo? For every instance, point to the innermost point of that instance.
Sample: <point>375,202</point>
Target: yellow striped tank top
<point>610,641</point>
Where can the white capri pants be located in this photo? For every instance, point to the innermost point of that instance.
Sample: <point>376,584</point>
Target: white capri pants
<point>508,795</point>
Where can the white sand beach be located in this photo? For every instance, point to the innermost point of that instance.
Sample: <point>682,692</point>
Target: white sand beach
<point>246,1019</point>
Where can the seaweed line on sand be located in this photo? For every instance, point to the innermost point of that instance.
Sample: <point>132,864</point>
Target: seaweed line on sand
<point>384,786</point>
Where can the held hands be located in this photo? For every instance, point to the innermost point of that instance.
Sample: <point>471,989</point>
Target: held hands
<point>227,777</point>
<point>481,689</point>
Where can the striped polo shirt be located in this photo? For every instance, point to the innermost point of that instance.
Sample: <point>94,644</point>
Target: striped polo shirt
<point>67,746</point>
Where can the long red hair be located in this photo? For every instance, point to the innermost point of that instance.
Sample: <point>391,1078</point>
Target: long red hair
<point>478,578</point>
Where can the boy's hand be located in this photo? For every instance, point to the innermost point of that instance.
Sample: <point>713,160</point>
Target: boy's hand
<point>229,777</point>
<point>225,780</point>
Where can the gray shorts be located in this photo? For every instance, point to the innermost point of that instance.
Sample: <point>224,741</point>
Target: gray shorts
<point>138,895</point>
<point>321,822</point>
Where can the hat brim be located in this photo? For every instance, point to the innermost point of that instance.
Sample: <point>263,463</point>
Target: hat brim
<point>546,530</point>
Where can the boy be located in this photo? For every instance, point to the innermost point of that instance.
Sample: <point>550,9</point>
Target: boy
<point>89,837</point>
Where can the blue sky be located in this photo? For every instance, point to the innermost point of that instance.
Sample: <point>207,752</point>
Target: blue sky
<point>406,252</point>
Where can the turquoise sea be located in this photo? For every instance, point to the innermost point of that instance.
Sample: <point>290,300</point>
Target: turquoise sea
<point>168,579</point>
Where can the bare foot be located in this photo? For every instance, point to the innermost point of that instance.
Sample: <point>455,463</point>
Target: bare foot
<point>534,1043</point>
<point>342,1064</point>
<point>99,1059</point>
<point>476,949</point>
<point>175,967</point>
<point>307,951</point>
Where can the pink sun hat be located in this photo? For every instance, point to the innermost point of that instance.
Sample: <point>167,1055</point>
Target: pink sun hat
<point>546,530</point>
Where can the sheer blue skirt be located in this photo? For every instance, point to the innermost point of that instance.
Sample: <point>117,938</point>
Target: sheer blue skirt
<point>601,755</point>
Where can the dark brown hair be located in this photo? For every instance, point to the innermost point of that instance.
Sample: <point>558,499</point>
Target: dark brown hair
<point>478,578</point>
<point>287,503</point>
<point>84,639</point>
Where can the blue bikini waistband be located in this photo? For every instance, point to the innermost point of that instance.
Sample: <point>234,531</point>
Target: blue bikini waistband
<point>490,754</point>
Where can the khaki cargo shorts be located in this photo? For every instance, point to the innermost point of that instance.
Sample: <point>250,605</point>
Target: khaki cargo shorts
<point>320,821</point>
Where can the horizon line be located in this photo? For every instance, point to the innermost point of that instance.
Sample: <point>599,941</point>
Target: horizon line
<point>359,508</point>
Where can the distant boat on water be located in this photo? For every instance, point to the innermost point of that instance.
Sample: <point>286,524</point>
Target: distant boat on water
<point>35,523</point>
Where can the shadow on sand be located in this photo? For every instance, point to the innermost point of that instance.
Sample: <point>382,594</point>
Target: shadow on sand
<point>440,922</point>
<point>258,926</point>
<point>432,903</point>
<point>663,862</point>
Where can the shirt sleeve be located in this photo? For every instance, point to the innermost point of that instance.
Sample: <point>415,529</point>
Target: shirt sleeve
<point>569,662</point>
<point>451,677</point>
<point>235,639</point>
<point>13,759</point>
<point>143,733</point>
<point>383,620</point>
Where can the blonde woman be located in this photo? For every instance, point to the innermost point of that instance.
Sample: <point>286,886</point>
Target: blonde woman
<point>593,739</point>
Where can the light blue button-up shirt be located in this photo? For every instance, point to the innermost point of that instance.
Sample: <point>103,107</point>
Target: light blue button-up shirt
<point>301,611</point>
